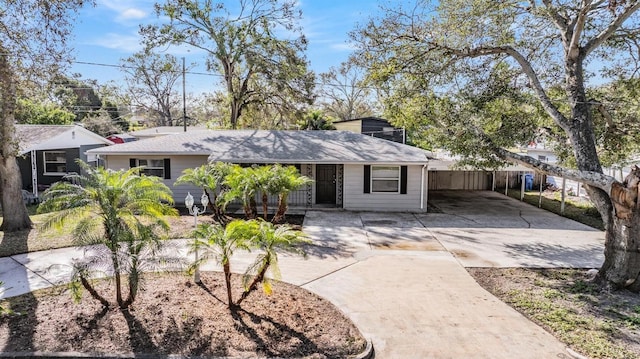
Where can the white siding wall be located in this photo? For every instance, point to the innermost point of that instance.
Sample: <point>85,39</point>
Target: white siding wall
<point>178,164</point>
<point>356,199</point>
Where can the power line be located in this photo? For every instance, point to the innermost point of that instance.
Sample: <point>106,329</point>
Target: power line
<point>435,92</point>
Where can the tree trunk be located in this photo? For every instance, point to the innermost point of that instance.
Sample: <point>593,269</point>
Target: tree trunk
<point>622,254</point>
<point>279,217</point>
<point>258,279</point>
<point>14,212</point>
<point>226,267</point>
<point>93,292</point>
<point>265,205</point>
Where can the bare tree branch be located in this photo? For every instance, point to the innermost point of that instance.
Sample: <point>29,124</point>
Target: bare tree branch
<point>611,29</point>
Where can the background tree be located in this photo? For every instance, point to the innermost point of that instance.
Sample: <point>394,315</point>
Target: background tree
<point>455,47</point>
<point>151,80</point>
<point>344,94</point>
<point>315,120</point>
<point>29,52</point>
<point>254,63</point>
<point>118,209</point>
<point>30,112</point>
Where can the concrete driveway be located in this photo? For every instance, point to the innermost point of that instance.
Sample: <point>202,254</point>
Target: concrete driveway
<point>481,229</point>
<point>487,229</point>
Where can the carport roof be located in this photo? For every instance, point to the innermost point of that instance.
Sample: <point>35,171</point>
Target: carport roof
<point>257,146</point>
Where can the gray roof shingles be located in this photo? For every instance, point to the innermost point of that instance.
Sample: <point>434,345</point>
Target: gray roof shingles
<point>256,146</point>
<point>30,136</point>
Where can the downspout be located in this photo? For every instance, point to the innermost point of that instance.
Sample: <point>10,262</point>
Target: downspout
<point>34,173</point>
<point>423,192</point>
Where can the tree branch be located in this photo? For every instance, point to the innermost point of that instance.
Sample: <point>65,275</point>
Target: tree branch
<point>559,20</point>
<point>611,29</point>
<point>573,50</point>
<point>526,66</point>
<point>594,179</point>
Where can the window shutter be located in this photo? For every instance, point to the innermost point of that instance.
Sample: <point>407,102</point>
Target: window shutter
<point>167,168</point>
<point>132,162</point>
<point>403,179</point>
<point>367,179</point>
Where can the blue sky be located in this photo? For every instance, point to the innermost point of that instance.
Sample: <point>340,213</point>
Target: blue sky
<point>109,31</point>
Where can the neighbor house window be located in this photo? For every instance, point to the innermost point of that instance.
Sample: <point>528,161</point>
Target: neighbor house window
<point>152,167</point>
<point>55,163</point>
<point>385,179</point>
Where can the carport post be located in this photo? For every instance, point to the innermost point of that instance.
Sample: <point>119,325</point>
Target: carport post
<point>522,177</point>
<point>540,196</point>
<point>564,183</point>
<point>506,185</point>
<point>493,181</point>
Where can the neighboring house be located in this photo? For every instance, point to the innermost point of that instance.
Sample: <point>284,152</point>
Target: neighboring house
<point>372,126</point>
<point>162,131</point>
<point>540,151</point>
<point>48,152</point>
<point>350,170</point>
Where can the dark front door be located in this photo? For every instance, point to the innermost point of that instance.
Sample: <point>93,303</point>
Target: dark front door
<point>326,184</point>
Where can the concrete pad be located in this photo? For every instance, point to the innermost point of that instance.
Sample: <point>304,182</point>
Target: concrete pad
<point>342,232</point>
<point>533,248</point>
<point>425,305</point>
<point>402,238</point>
<point>487,229</point>
<point>395,220</point>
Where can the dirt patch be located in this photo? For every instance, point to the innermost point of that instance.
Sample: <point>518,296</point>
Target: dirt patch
<point>174,316</point>
<point>593,322</point>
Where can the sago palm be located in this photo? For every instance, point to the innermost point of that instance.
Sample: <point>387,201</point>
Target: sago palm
<point>271,240</point>
<point>121,210</point>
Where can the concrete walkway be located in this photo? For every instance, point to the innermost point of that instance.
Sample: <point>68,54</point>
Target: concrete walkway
<point>393,276</point>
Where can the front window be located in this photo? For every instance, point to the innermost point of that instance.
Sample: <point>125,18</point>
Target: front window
<point>55,163</point>
<point>151,167</point>
<point>385,179</point>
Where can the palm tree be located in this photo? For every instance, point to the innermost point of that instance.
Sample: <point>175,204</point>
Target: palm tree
<point>210,178</point>
<point>264,182</point>
<point>271,239</point>
<point>242,185</point>
<point>315,120</point>
<point>216,242</point>
<point>121,210</point>
<point>284,181</point>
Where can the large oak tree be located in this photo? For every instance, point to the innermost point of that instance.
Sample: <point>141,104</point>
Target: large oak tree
<point>33,36</point>
<point>255,46</point>
<point>469,69</point>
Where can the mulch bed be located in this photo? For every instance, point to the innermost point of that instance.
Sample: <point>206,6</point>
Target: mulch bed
<point>174,316</point>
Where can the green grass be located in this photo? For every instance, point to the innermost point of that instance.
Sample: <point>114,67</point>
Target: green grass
<point>581,212</point>
<point>35,239</point>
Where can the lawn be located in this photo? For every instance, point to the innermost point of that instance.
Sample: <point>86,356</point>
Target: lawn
<point>37,240</point>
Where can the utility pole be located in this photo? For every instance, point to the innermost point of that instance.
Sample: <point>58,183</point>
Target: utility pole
<point>184,98</point>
